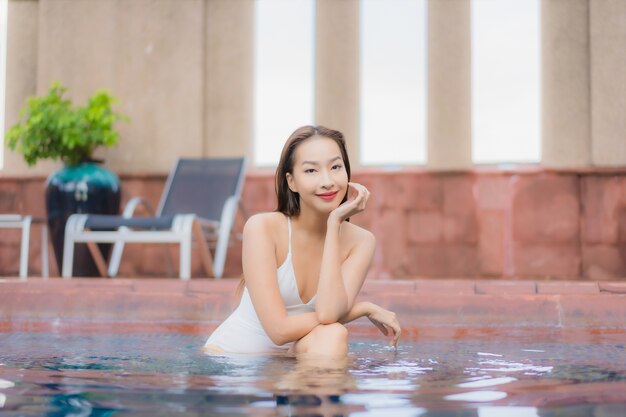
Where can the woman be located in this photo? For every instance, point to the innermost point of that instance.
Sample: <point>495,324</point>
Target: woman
<point>305,263</point>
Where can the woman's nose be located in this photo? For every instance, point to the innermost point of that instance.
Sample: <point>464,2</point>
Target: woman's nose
<point>326,179</point>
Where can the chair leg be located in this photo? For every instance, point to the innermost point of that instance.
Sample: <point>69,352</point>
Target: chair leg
<point>68,247</point>
<point>223,236</point>
<point>98,258</point>
<point>186,228</point>
<point>45,268</point>
<point>116,255</point>
<point>205,252</point>
<point>68,257</point>
<point>24,247</point>
<point>185,259</point>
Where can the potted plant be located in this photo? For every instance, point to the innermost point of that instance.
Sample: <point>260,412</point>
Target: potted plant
<point>51,128</point>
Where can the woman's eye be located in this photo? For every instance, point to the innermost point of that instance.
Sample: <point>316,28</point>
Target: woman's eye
<point>310,170</point>
<point>336,166</point>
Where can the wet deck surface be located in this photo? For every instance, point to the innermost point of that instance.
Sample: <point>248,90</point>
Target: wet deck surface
<point>196,306</point>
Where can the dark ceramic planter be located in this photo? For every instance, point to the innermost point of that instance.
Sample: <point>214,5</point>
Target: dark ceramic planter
<point>84,188</point>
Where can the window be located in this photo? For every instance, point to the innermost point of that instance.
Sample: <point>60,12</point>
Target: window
<point>284,74</point>
<point>505,81</point>
<point>393,82</point>
<point>3,61</point>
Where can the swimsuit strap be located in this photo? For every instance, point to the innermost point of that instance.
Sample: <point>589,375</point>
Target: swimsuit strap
<point>289,228</point>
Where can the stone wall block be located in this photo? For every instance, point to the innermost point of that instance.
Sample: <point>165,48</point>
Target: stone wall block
<point>10,252</point>
<point>425,192</point>
<point>492,192</point>
<point>546,208</point>
<point>259,195</point>
<point>393,243</point>
<point>10,197</point>
<point>425,226</point>
<point>603,199</point>
<point>460,223</point>
<point>544,260</point>
<point>34,202</point>
<point>492,244</point>
<point>426,260</point>
<point>461,261</point>
<point>603,261</point>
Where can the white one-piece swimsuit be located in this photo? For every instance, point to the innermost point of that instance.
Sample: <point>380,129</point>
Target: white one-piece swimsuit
<point>242,331</point>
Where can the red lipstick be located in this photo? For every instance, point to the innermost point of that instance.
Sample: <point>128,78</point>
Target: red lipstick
<point>328,196</point>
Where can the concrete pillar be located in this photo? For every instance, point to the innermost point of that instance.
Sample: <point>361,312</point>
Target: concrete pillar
<point>449,135</point>
<point>147,52</point>
<point>608,81</point>
<point>229,77</point>
<point>337,70</point>
<point>566,112</point>
<point>21,77</point>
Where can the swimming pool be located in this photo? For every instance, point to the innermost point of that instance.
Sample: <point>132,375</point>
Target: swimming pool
<point>116,372</point>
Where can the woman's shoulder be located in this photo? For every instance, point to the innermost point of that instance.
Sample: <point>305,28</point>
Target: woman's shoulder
<point>267,222</point>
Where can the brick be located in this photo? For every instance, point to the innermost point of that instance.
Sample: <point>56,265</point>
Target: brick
<point>445,286</point>
<point>392,245</point>
<point>613,287</point>
<point>424,261</point>
<point>213,286</point>
<point>567,287</point>
<point>505,287</point>
<point>546,209</point>
<point>602,198</point>
<point>602,262</point>
<point>493,192</point>
<point>160,286</point>
<point>10,198</point>
<point>461,261</point>
<point>425,226</point>
<point>545,260</point>
<point>460,221</point>
<point>425,192</point>
<point>492,243</point>
<point>477,310</point>
<point>377,287</point>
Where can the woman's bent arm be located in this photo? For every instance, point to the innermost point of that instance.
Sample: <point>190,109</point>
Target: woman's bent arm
<point>259,269</point>
<point>339,283</point>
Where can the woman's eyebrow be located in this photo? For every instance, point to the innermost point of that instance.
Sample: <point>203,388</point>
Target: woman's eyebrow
<point>316,163</point>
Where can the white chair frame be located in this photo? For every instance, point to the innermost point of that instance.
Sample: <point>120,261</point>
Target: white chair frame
<point>16,221</point>
<point>184,227</point>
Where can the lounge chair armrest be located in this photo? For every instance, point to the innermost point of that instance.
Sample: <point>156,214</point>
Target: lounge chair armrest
<point>133,203</point>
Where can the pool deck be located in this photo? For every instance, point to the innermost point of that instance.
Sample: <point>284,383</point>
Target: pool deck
<point>424,306</point>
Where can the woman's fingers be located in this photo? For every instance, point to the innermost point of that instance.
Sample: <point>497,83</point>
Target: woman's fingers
<point>362,195</point>
<point>396,334</point>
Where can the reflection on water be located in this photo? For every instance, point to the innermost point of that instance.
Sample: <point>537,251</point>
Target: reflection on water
<point>98,375</point>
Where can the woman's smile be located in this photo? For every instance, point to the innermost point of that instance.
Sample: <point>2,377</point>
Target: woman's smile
<point>330,196</point>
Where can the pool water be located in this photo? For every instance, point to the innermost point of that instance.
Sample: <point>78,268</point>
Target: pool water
<point>84,374</point>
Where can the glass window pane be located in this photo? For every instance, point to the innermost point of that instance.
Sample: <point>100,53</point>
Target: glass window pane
<point>505,81</point>
<point>284,71</point>
<point>393,81</point>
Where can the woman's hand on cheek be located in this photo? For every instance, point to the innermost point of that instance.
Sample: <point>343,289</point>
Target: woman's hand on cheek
<point>357,200</point>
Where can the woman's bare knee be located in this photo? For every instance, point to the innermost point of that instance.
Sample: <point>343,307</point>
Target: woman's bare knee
<point>325,339</point>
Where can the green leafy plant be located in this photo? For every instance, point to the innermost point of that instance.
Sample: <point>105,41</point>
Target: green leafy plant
<point>49,128</point>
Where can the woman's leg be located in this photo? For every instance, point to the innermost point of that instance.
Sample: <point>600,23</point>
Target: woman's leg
<point>325,339</point>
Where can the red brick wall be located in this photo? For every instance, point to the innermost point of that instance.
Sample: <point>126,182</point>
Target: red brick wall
<point>527,223</point>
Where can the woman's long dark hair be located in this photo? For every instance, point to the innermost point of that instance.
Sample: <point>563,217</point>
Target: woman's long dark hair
<point>288,201</point>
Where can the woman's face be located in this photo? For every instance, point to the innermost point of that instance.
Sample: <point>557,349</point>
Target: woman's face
<point>319,174</point>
